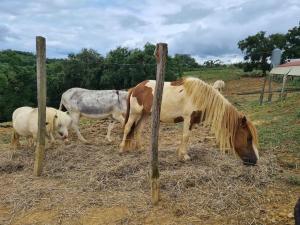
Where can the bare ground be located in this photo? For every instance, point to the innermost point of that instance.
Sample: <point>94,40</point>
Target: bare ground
<point>93,184</point>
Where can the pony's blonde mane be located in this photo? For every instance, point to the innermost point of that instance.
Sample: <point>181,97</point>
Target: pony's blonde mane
<point>216,111</point>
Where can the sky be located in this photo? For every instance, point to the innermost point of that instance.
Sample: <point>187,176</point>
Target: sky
<point>203,29</point>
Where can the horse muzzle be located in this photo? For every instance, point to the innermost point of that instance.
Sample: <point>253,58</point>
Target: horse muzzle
<point>249,161</point>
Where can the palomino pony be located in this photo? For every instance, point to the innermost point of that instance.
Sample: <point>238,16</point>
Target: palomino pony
<point>191,101</point>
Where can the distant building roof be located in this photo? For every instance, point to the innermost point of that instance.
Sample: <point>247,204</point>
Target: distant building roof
<point>291,68</point>
<point>291,63</point>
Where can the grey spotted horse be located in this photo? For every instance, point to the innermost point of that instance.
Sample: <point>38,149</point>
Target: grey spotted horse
<point>95,104</point>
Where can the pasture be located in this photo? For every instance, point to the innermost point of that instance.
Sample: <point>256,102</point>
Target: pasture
<point>93,184</point>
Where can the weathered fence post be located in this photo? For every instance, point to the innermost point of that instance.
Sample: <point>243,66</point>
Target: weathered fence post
<point>261,98</point>
<point>282,93</point>
<point>270,88</point>
<point>41,94</point>
<point>160,53</point>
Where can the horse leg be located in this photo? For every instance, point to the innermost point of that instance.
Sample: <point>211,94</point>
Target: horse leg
<point>128,135</point>
<point>51,139</point>
<point>109,129</point>
<point>182,151</point>
<point>15,142</point>
<point>30,143</point>
<point>75,125</point>
<point>139,130</point>
<point>116,116</point>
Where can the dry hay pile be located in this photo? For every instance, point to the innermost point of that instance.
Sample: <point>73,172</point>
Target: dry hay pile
<point>77,178</point>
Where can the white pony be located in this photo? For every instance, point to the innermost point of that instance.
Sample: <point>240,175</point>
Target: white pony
<point>25,123</point>
<point>219,85</point>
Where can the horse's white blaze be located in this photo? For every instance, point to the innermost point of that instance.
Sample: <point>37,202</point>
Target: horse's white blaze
<point>255,151</point>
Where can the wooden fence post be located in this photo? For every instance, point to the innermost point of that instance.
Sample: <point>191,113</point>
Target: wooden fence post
<point>261,98</point>
<point>41,94</point>
<point>282,96</point>
<point>270,87</point>
<point>160,53</point>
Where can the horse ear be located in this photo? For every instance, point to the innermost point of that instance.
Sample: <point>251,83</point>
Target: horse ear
<point>244,121</point>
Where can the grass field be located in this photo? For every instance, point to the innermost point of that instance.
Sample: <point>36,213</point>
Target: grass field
<point>223,73</point>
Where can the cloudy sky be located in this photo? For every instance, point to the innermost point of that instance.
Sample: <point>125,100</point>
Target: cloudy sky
<point>205,29</point>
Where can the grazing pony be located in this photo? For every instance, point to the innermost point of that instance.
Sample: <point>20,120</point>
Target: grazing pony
<point>219,85</point>
<point>191,101</point>
<point>94,104</point>
<point>25,123</point>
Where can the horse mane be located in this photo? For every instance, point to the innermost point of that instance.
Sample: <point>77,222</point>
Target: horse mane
<point>216,111</point>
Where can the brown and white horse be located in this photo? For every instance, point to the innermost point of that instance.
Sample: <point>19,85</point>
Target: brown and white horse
<point>191,101</point>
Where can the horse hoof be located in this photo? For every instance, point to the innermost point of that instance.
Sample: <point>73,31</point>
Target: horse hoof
<point>184,158</point>
<point>84,141</point>
<point>121,151</point>
<point>109,140</point>
<point>12,155</point>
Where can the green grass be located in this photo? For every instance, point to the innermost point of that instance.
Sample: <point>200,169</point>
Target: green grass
<point>293,179</point>
<point>278,123</point>
<point>295,83</point>
<point>209,74</point>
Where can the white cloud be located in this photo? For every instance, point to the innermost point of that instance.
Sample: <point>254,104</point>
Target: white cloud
<point>200,28</point>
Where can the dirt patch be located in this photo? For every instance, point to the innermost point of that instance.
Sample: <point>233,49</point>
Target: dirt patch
<point>36,217</point>
<point>97,216</point>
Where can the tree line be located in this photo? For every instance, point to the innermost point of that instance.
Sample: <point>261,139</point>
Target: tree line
<point>258,48</point>
<point>121,68</point>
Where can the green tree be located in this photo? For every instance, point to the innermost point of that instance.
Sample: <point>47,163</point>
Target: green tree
<point>257,48</point>
<point>83,69</point>
<point>17,82</point>
<point>185,62</point>
<point>55,81</point>
<point>115,69</point>
<point>213,63</point>
<point>292,47</point>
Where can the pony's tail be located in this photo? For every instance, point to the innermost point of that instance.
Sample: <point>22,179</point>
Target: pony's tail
<point>128,106</point>
<point>62,106</point>
<point>129,141</point>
